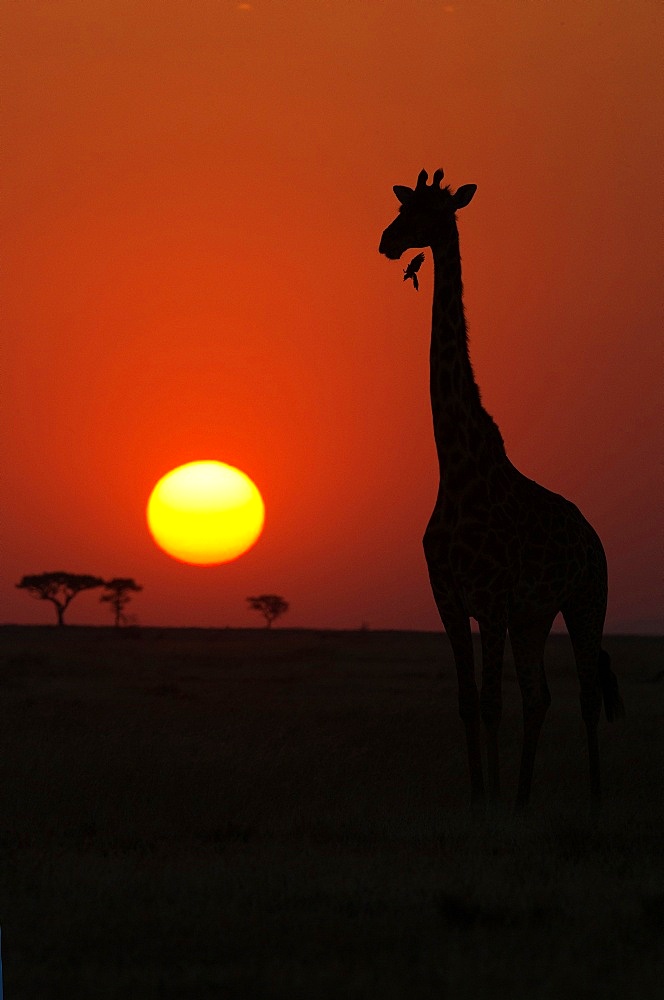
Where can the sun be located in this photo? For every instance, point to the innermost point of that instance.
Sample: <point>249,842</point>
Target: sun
<point>205,513</point>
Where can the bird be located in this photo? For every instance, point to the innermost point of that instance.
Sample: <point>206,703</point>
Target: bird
<point>413,268</point>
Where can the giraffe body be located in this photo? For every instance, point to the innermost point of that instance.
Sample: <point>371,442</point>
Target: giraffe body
<point>499,547</point>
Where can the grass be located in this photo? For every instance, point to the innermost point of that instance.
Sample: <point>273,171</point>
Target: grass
<point>284,814</point>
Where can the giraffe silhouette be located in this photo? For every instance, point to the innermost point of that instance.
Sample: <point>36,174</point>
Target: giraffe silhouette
<point>499,547</point>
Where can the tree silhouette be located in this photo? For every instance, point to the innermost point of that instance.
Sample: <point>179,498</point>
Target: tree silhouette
<point>118,595</point>
<point>60,588</point>
<point>271,606</point>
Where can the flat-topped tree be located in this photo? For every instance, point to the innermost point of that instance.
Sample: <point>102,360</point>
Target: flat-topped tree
<point>271,606</point>
<point>59,588</point>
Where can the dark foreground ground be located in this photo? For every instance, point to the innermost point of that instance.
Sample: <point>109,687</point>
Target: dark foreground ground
<point>250,814</point>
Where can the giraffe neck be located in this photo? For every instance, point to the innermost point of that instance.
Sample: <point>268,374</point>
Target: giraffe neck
<point>464,432</point>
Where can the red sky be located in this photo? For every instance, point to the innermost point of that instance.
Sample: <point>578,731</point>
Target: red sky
<point>194,195</point>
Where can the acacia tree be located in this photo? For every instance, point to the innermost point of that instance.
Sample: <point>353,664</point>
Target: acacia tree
<point>269,605</point>
<point>118,595</point>
<point>60,588</point>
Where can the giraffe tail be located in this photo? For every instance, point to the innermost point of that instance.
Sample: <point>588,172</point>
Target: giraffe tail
<point>613,703</point>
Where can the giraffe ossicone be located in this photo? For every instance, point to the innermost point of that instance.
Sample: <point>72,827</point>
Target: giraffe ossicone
<point>499,547</point>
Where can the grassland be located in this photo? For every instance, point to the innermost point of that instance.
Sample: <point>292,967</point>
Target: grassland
<point>283,815</point>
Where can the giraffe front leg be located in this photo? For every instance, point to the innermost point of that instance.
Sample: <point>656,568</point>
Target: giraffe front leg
<point>457,627</point>
<point>493,634</point>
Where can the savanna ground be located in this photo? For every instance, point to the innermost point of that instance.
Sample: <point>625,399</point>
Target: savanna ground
<point>284,814</point>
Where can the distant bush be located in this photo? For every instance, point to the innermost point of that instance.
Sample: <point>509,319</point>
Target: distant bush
<point>118,595</point>
<point>271,606</point>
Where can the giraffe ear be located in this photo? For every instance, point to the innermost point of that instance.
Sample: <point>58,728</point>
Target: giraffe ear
<point>463,196</point>
<point>403,193</point>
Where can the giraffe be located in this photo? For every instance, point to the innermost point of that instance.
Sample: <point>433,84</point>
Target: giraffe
<point>499,547</point>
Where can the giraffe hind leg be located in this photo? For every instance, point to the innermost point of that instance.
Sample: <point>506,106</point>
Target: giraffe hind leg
<point>613,703</point>
<point>528,640</point>
<point>585,631</point>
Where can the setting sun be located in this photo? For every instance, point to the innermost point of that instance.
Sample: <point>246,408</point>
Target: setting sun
<point>205,513</point>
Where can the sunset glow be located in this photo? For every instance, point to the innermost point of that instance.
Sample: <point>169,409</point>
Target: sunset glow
<point>205,513</point>
<point>194,197</point>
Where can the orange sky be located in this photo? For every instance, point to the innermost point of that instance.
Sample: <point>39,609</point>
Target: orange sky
<point>194,195</point>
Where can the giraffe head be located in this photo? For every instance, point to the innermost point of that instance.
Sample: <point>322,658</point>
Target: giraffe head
<point>426,215</point>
